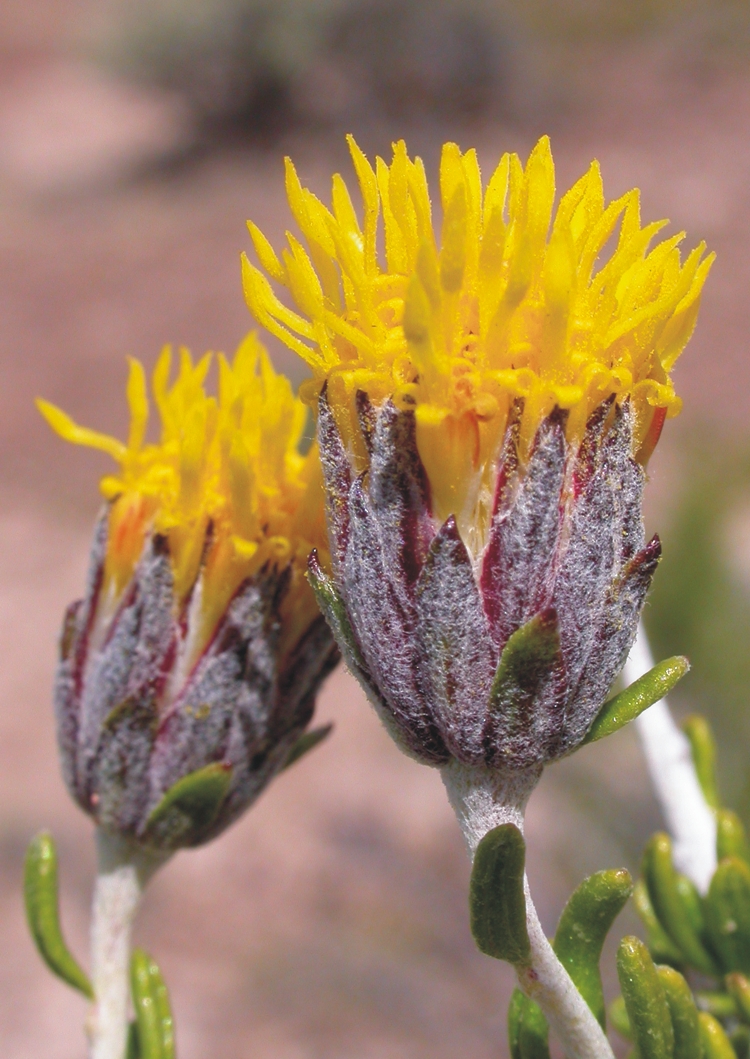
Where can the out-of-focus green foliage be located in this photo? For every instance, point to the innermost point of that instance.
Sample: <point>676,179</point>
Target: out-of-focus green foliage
<point>700,603</point>
<point>232,60</point>
<point>261,63</point>
<point>690,933</point>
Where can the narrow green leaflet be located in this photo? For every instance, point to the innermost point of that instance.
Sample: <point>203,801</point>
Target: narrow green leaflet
<point>731,840</point>
<point>684,1013</point>
<point>641,694</point>
<point>307,742</point>
<point>728,914</point>
<point>716,1044</point>
<point>659,942</point>
<point>692,904</point>
<point>42,912</point>
<point>189,808</point>
<point>497,904</point>
<point>582,930</point>
<point>164,1009</point>
<point>533,1038</point>
<point>668,898</point>
<point>144,1002</point>
<point>528,1032</point>
<point>515,1018</point>
<point>739,989</point>
<point>702,744</point>
<point>155,1029</point>
<point>645,1001</point>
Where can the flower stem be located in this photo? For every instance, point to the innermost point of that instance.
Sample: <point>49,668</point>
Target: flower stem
<point>123,869</point>
<point>688,816</point>
<point>482,800</point>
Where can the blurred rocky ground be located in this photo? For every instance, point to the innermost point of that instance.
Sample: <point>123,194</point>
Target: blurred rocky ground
<point>331,922</point>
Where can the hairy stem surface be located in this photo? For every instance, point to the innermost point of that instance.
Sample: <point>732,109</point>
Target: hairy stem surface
<point>688,816</point>
<point>482,800</point>
<point>123,869</point>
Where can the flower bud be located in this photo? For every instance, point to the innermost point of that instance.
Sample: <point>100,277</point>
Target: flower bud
<point>189,669</point>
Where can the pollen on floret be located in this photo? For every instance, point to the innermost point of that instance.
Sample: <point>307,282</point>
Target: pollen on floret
<point>515,299</point>
<point>225,483</point>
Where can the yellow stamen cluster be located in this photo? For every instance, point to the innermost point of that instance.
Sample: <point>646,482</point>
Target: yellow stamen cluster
<point>226,482</point>
<point>515,302</point>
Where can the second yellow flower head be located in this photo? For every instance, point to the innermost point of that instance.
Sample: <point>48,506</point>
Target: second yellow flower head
<point>225,482</point>
<point>189,669</point>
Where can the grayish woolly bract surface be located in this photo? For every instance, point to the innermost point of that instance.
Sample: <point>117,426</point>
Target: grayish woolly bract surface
<point>424,627</point>
<point>458,659</point>
<point>136,713</point>
<point>525,535</point>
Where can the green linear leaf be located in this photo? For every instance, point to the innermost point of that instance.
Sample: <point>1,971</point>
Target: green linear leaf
<point>739,988</point>
<point>164,1009</point>
<point>146,1010</point>
<point>716,1044</point>
<point>728,914</point>
<point>155,1026</point>
<point>528,1031</point>
<point>703,748</point>
<point>515,1018</point>
<point>646,1004</point>
<point>684,1013</point>
<point>42,912</point>
<point>641,694</point>
<point>661,946</point>
<point>676,904</point>
<point>731,839</point>
<point>497,903</point>
<point>582,930</point>
<point>533,1039</point>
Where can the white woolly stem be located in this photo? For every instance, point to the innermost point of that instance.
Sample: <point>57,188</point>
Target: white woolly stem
<point>123,869</point>
<point>688,816</point>
<point>482,800</point>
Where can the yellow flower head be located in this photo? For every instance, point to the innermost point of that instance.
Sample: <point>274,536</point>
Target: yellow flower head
<point>226,483</point>
<point>564,307</point>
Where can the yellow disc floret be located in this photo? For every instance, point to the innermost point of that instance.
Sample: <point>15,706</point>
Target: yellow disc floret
<point>226,483</point>
<point>559,308</point>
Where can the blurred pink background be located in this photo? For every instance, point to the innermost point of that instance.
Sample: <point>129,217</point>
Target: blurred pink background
<point>332,920</point>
